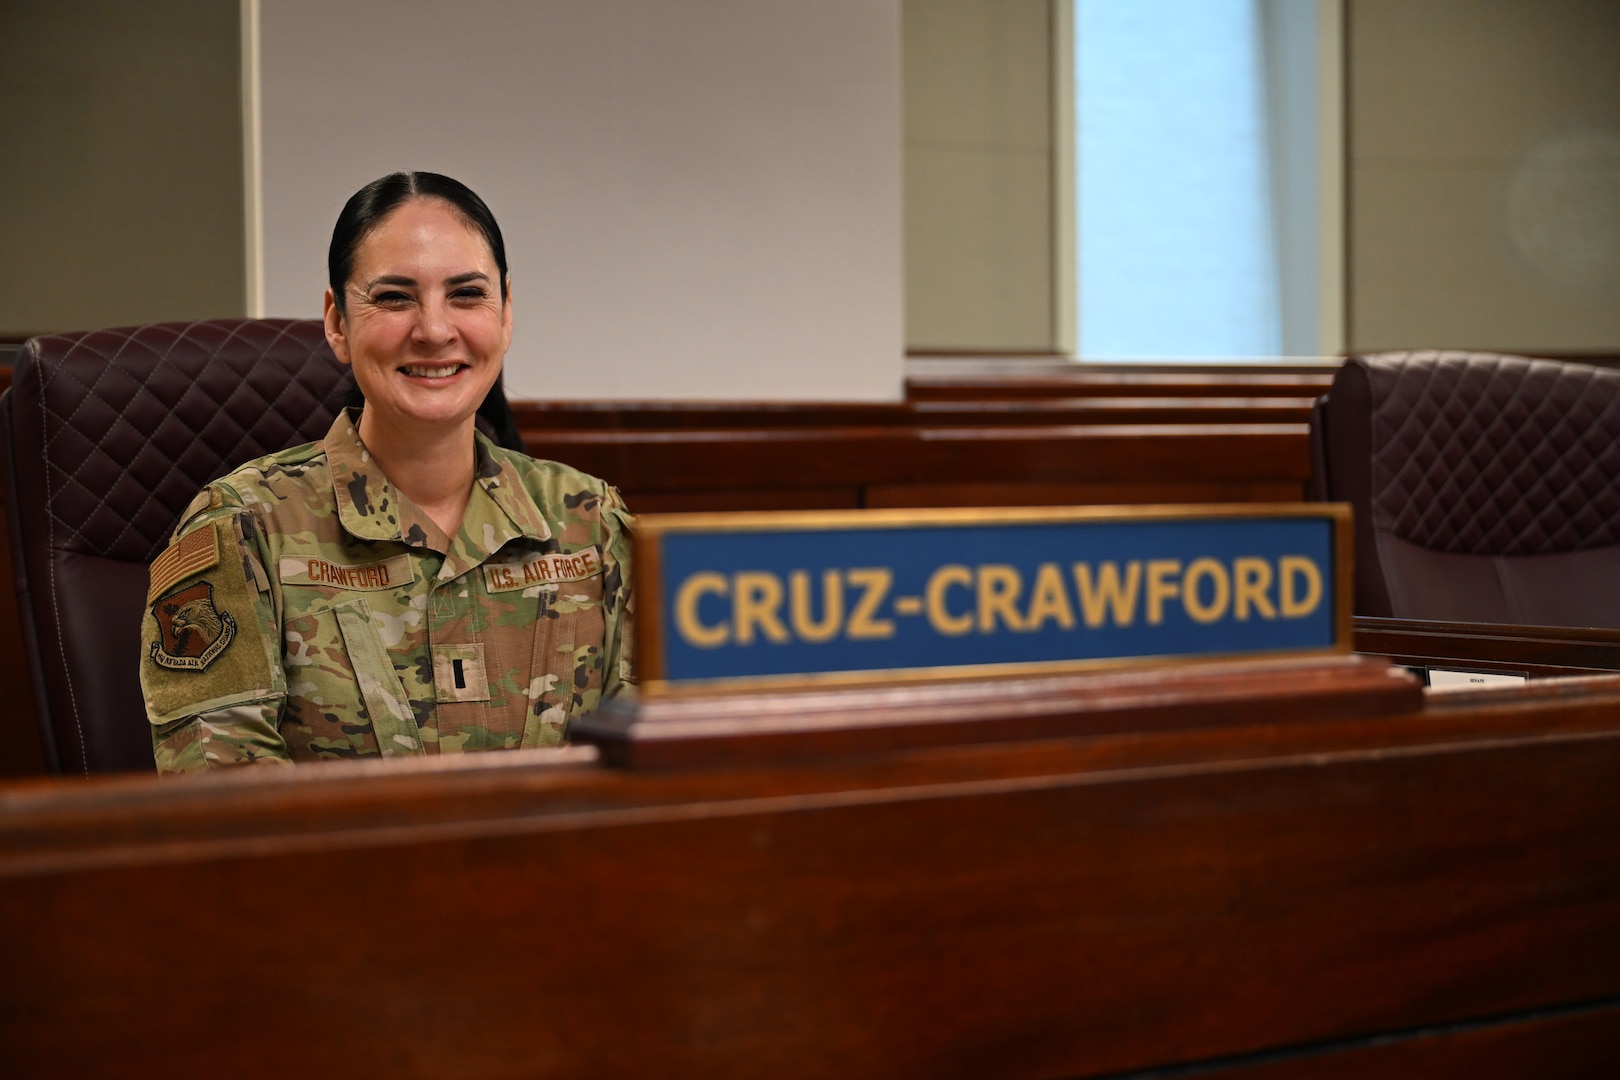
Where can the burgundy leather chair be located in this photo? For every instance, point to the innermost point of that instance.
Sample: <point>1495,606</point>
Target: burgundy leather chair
<point>1485,488</point>
<point>108,435</point>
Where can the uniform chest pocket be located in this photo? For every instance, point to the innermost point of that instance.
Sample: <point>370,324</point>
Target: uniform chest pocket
<point>392,719</point>
<point>567,654</point>
<point>342,682</point>
<point>562,594</point>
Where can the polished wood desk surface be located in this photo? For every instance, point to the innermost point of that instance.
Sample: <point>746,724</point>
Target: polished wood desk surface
<point>1535,651</point>
<point>1434,890</point>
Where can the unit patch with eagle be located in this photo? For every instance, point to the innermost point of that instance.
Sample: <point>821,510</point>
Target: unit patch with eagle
<point>194,631</point>
<point>203,635</point>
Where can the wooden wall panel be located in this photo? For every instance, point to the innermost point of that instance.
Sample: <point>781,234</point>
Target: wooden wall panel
<point>1157,461</point>
<point>1065,907</point>
<point>1580,1042</point>
<point>943,413</point>
<point>987,384</point>
<point>1080,494</point>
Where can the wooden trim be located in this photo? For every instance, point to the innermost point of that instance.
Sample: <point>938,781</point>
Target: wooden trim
<point>1274,899</point>
<point>731,728</point>
<point>1540,651</point>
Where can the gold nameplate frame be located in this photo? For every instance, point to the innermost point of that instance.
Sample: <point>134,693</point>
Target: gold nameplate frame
<point>819,598</point>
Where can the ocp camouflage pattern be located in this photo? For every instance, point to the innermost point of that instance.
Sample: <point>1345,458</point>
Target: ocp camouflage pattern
<point>361,629</point>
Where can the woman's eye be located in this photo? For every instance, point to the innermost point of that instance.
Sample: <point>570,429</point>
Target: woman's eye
<point>391,298</point>
<point>468,292</point>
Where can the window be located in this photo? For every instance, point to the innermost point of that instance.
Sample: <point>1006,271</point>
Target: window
<point>1206,205</point>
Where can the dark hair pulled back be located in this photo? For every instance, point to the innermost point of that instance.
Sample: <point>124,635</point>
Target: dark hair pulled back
<point>367,208</point>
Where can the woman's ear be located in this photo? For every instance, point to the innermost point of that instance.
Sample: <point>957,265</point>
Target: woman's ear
<point>336,331</point>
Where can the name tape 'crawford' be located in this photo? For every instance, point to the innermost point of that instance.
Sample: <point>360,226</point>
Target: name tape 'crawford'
<point>358,577</point>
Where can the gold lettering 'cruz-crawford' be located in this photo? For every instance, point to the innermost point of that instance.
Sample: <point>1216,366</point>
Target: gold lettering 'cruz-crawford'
<point>859,604</point>
<point>358,628</point>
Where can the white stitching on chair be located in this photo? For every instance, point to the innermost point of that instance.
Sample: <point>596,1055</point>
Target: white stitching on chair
<point>50,564</point>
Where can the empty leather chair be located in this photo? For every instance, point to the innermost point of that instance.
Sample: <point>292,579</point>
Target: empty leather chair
<point>1486,488</point>
<point>109,435</point>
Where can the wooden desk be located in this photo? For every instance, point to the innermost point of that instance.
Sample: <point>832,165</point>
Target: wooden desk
<point>1433,892</point>
<point>1536,651</point>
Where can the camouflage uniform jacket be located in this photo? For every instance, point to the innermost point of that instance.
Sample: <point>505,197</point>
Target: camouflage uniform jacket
<point>305,610</point>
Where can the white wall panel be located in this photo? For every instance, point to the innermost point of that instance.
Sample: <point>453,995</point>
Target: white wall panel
<point>700,200</point>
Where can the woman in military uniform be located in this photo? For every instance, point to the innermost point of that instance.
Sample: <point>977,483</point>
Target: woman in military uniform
<point>403,586</point>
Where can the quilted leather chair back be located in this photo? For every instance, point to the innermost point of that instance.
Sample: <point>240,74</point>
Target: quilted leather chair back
<point>1486,488</point>
<point>109,435</point>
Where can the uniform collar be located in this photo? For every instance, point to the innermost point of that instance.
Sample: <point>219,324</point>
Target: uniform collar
<point>369,508</point>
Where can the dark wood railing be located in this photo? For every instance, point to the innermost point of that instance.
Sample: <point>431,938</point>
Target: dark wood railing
<point>1285,888</point>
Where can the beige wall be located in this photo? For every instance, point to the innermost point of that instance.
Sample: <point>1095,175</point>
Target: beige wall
<point>1484,174</point>
<point>978,174</point>
<point>121,194</point>
<point>1482,195</point>
<point>700,200</point>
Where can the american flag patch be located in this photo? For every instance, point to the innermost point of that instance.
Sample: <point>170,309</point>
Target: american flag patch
<point>191,554</point>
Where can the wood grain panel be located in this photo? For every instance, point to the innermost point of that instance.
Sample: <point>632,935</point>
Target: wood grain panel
<point>1015,493</point>
<point>728,416</point>
<point>1074,907</point>
<point>729,728</point>
<point>1538,651</point>
<point>694,460</point>
<point>1079,381</point>
<point>1581,1042</point>
<point>645,501</point>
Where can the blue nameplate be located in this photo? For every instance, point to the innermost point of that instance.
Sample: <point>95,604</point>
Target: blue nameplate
<point>752,600</point>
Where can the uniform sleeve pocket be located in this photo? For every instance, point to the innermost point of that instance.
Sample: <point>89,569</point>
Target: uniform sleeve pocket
<point>204,645</point>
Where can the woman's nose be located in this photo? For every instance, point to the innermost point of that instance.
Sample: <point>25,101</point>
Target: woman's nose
<point>433,323</point>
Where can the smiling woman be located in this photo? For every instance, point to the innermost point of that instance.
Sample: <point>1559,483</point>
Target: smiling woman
<point>422,314</point>
<point>403,586</point>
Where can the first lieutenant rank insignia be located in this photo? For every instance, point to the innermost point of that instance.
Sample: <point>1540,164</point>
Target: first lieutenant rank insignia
<point>194,632</point>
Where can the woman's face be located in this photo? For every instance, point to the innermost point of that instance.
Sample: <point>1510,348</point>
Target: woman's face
<point>424,325</point>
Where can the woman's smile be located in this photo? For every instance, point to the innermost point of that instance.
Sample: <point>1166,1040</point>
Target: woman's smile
<point>433,373</point>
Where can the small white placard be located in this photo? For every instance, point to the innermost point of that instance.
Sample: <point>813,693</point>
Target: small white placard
<point>1441,679</point>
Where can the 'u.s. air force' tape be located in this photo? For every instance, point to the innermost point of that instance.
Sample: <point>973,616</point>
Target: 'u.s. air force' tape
<point>751,599</point>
